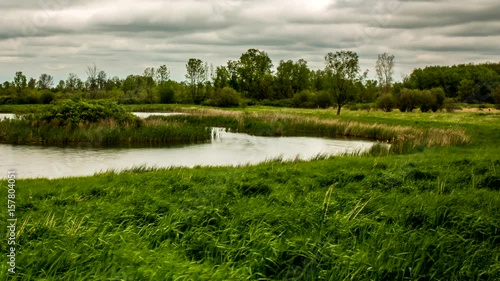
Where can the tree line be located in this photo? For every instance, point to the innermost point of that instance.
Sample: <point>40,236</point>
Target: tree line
<point>251,80</point>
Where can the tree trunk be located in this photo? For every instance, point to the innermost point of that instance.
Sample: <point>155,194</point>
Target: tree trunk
<point>338,109</point>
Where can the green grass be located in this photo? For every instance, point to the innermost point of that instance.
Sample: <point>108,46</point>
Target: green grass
<point>433,214</point>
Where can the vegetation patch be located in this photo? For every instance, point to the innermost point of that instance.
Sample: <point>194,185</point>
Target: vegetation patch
<point>96,123</point>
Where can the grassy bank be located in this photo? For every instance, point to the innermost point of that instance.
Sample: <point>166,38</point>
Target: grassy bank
<point>350,218</point>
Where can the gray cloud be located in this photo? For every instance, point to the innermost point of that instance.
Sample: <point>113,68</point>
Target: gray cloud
<point>124,37</point>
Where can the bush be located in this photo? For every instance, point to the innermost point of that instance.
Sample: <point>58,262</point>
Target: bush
<point>450,105</point>
<point>85,111</point>
<point>323,99</point>
<point>425,100</point>
<point>386,102</point>
<point>365,106</point>
<point>440,96</point>
<point>407,100</point>
<point>225,97</point>
<point>496,97</point>
<point>304,99</point>
<point>46,97</point>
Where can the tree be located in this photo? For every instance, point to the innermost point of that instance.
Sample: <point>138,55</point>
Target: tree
<point>284,79</point>
<point>149,82</point>
<point>20,81</point>
<point>72,82</point>
<point>92,85</point>
<point>253,67</point>
<point>162,74</point>
<point>196,74</point>
<point>467,90</point>
<point>496,97</point>
<point>45,82</point>
<point>385,71</point>
<point>342,71</point>
<point>32,83</point>
<point>222,77</point>
<point>102,80</point>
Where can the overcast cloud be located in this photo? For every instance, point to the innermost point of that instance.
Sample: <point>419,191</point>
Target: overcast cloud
<point>124,37</point>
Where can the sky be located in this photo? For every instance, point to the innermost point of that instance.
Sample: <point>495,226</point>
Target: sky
<point>123,37</point>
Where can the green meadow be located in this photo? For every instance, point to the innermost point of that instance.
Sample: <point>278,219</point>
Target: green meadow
<point>426,207</point>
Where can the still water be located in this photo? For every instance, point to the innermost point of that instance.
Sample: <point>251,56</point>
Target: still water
<point>225,149</point>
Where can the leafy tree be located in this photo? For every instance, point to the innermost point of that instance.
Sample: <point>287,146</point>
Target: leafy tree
<point>131,85</point>
<point>162,74</point>
<point>284,79</point>
<point>45,82</point>
<point>234,76</point>
<point>222,77</point>
<point>467,90</point>
<point>196,74</point>
<point>253,68</point>
<point>20,81</point>
<point>32,83</point>
<point>102,80</point>
<point>291,78</point>
<point>72,82</point>
<point>149,83</point>
<point>496,97</point>
<point>385,70</point>
<point>342,71</point>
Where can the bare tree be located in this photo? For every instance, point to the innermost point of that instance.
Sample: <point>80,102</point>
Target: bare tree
<point>92,74</point>
<point>149,82</point>
<point>385,71</point>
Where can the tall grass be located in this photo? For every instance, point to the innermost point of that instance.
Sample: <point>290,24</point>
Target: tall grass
<point>349,218</point>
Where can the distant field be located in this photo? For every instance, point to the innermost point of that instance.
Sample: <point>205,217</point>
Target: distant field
<point>428,212</point>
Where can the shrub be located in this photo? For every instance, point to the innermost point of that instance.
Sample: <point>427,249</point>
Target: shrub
<point>496,97</point>
<point>425,100</point>
<point>365,106</point>
<point>225,97</point>
<point>323,99</point>
<point>450,105</point>
<point>440,96</point>
<point>304,99</point>
<point>386,102</point>
<point>75,112</point>
<point>407,100</point>
<point>46,97</point>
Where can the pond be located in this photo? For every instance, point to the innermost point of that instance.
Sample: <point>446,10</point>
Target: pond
<point>225,149</point>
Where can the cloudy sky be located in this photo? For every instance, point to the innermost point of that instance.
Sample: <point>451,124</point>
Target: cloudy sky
<point>124,37</point>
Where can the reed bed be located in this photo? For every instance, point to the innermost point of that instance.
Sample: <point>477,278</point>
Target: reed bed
<point>102,134</point>
<point>402,139</point>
